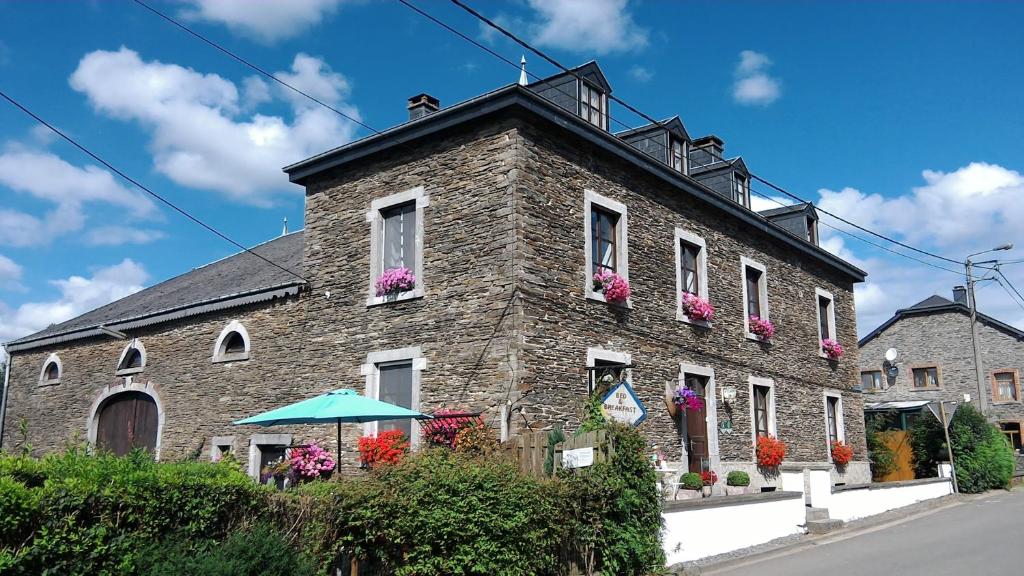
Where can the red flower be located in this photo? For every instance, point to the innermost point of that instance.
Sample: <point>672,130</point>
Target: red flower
<point>842,453</point>
<point>387,447</point>
<point>770,451</point>
<point>708,478</point>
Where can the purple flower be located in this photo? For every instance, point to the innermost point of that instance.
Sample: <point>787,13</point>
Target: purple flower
<point>831,348</point>
<point>394,281</point>
<point>687,399</point>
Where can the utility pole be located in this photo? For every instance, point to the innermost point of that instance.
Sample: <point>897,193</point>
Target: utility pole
<point>972,304</point>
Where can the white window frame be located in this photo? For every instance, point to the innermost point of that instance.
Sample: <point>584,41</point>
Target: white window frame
<point>711,410</point>
<point>702,272</point>
<point>772,424</point>
<point>220,355</point>
<point>255,453</point>
<point>819,293</point>
<point>590,199</point>
<point>762,286</point>
<point>51,359</point>
<point>216,444</point>
<point>840,420</point>
<point>371,371</point>
<point>376,221</point>
<point>604,103</point>
<point>137,344</point>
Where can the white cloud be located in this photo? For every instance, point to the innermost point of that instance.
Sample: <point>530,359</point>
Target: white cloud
<point>754,86</point>
<point>78,295</point>
<point>118,235</point>
<point>10,274</point>
<point>641,74</point>
<point>199,136</point>
<point>264,21</point>
<point>45,176</point>
<point>589,26</point>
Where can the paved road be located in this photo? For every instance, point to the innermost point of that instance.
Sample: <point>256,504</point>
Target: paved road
<point>978,538</point>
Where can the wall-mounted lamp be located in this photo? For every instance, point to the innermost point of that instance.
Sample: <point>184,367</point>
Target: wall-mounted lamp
<point>728,393</point>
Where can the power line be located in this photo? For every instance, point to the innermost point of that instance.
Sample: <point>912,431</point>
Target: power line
<point>1015,300</point>
<point>1010,284</point>
<point>558,65</point>
<point>141,186</point>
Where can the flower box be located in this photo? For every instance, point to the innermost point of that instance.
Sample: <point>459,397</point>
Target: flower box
<point>762,328</point>
<point>615,288</point>
<point>831,348</point>
<point>394,281</point>
<point>697,309</point>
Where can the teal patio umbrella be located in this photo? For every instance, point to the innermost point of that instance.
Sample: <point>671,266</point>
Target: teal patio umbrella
<point>338,407</point>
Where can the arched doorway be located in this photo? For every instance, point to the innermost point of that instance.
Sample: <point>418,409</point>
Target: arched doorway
<point>125,421</point>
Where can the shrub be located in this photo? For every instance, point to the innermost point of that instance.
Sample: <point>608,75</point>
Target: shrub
<point>881,456</point>
<point>387,447</point>
<point>737,478</point>
<point>983,459</point>
<point>691,481</point>
<point>476,439</point>
<point>442,429</point>
<point>926,441</point>
<point>258,551</point>
<point>770,452</point>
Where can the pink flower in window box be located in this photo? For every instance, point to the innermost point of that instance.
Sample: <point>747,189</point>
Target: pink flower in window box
<point>614,287</point>
<point>394,281</point>
<point>763,329</point>
<point>697,308</point>
<point>831,348</point>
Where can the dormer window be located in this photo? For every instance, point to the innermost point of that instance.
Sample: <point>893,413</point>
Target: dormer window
<point>678,156</point>
<point>593,105</point>
<point>741,190</point>
<point>812,231</point>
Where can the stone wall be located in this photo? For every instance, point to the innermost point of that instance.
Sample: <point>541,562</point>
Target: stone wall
<point>943,339</point>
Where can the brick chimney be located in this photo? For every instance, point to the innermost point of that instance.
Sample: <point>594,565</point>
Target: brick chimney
<point>960,295</point>
<point>421,105</point>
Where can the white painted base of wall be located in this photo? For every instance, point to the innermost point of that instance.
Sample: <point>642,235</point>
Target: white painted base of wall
<point>876,498</point>
<point>700,532</point>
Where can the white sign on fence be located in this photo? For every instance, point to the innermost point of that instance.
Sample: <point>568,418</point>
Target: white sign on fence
<point>578,458</point>
<point>621,404</point>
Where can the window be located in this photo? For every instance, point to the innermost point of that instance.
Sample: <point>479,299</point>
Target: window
<point>871,380</point>
<point>396,241</point>
<point>267,449</point>
<point>678,156</point>
<point>832,418</point>
<point>691,268</point>
<point>688,267</point>
<point>826,317</point>
<point>755,292</point>
<point>761,398</point>
<point>1012,431</point>
<point>393,376</point>
<point>1005,386</point>
<point>812,231</point>
<point>592,105</point>
<point>232,344</point>
<point>50,374</point>
<point>221,446</point>
<point>605,240</point>
<point>395,387</point>
<point>740,192</point>
<point>926,377</point>
<point>133,359</point>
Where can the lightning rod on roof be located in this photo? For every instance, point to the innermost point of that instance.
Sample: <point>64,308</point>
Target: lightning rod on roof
<point>522,71</point>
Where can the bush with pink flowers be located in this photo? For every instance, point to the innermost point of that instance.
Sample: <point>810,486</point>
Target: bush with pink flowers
<point>394,281</point>
<point>697,308</point>
<point>614,287</point>
<point>831,348</point>
<point>311,461</point>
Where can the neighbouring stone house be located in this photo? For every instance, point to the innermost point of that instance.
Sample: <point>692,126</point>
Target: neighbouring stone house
<point>504,206</point>
<point>935,361</point>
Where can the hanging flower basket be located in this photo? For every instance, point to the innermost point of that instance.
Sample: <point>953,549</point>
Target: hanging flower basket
<point>831,348</point>
<point>686,399</point>
<point>697,308</point>
<point>842,453</point>
<point>763,329</point>
<point>770,452</point>
<point>395,281</point>
<point>614,287</point>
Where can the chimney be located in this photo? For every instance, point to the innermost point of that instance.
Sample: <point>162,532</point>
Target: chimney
<point>707,150</point>
<point>421,105</point>
<point>960,295</point>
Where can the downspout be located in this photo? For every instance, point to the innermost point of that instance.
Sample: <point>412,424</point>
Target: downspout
<point>3,398</point>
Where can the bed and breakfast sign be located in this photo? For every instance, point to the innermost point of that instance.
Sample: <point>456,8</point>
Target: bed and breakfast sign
<point>623,405</point>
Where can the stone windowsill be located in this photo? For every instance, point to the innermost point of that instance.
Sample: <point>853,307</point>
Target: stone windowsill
<point>682,317</point>
<point>46,383</point>
<point>599,297</point>
<point>381,300</point>
<point>233,357</point>
<point>1005,402</point>
<point>128,371</point>
<point>925,389</point>
<point>721,501</point>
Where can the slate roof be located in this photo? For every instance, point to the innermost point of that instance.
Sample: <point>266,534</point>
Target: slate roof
<point>936,304</point>
<point>233,281</point>
<point>802,207</point>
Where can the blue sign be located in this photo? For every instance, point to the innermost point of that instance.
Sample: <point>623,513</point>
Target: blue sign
<point>623,405</point>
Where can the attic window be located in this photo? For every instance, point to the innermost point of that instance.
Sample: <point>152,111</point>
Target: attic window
<point>50,374</point>
<point>593,105</point>
<point>741,190</point>
<point>133,359</point>
<point>812,231</point>
<point>678,156</point>
<point>232,344</point>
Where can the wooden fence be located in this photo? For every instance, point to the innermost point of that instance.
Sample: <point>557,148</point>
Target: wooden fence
<point>531,450</point>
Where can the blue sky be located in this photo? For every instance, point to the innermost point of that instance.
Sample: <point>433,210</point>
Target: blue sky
<point>904,118</point>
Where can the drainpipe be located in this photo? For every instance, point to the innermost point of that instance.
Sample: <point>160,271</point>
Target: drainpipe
<point>3,396</point>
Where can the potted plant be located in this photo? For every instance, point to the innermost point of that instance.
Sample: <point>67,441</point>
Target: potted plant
<point>770,452</point>
<point>614,287</point>
<point>831,348</point>
<point>842,453</point>
<point>311,462</point>
<point>685,399</point>
<point>394,281</point>
<point>697,308</point>
<point>691,484</point>
<point>737,482</point>
<point>762,328</point>
<point>277,473</point>
<point>708,478</point>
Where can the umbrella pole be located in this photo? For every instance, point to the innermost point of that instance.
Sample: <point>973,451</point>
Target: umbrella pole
<point>337,448</point>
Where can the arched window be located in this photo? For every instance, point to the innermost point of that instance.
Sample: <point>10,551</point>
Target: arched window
<point>133,359</point>
<point>232,344</point>
<point>50,374</point>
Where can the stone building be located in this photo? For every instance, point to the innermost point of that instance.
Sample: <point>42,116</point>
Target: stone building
<point>503,207</point>
<point>935,361</point>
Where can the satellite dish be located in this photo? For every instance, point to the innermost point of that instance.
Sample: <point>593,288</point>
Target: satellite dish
<point>891,354</point>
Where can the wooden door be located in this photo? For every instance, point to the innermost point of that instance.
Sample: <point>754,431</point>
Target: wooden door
<point>127,420</point>
<point>696,429</point>
<point>899,442</point>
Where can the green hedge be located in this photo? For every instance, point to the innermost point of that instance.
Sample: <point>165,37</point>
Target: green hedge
<point>435,513</point>
<point>983,458</point>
